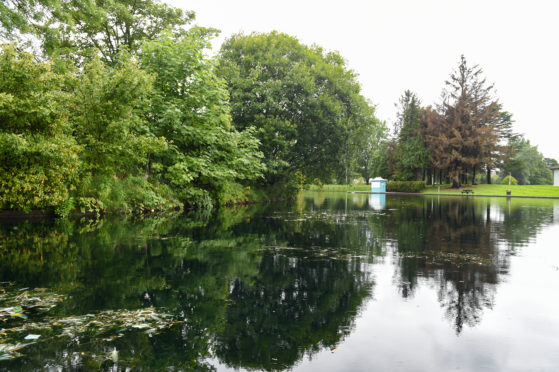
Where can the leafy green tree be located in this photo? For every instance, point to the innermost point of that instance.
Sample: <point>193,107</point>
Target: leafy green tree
<point>109,120</point>
<point>371,159</point>
<point>526,163</point>
<point>77,28</point>
<point>411,154</point>
<point>206,158</point>
<point>304,102</point>
<point>39,158</point>
<point>364,134</point>
<point>119,149</point>
<point>550,162</point>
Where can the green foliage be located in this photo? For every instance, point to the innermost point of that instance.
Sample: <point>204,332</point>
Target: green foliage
<point>128,195</point>
<point>189,109</point>
<point>301,180</point>
<point>509,180</point>
<point>109,121</point>
<point>78,29</point>
<point>304,102</point>
<point>411,154</point>
<point>277,192</point>
<point>64,208</point>
<point>38,156</point>
<point>405,186</point>
<point>89,205</point>
<point>526,163</point>
<point>550,162</point>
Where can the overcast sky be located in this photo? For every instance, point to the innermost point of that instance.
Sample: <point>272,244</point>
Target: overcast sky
<point>396,45</point>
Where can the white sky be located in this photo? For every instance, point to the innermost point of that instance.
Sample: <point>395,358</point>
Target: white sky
<point>396,45</point>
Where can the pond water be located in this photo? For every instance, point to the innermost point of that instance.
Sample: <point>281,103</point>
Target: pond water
<point>329,282</point>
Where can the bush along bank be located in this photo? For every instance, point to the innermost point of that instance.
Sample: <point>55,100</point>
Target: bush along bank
<point>405,186</point>
<point>120,137</point>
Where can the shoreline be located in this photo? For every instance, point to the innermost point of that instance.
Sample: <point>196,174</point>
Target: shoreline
<point>435,194</point>
<point>6,215</point>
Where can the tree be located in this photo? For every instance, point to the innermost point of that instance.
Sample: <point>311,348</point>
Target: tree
<point>38,156</point>
<point>109,122</point>
<point>206,157</point>
<point>371,160</point>
<point>305,104</point>
<point>550,162</point>
<point>77,28</point>
<point>411,154</point>
<point>526,163</point>
<point>464,134</point>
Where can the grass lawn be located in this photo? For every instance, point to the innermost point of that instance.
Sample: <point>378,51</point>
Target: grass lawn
<point>340,188</point>
<point>500,190</point>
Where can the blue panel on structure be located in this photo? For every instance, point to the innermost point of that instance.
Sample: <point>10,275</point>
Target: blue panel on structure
<point>378,185</point>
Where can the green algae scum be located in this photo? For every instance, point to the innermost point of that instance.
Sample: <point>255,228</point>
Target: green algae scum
<point>329,282</point>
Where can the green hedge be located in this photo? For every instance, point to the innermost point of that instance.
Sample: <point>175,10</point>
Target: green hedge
<point>405,186</point>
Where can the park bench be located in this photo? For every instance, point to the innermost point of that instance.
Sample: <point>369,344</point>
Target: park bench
<point>467,192</point>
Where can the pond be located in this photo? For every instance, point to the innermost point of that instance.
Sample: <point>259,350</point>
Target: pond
<point>329,282</point>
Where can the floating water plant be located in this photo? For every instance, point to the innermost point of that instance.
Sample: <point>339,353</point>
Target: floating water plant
<point>28,322</point>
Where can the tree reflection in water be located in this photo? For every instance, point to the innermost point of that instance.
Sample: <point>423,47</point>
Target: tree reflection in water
<point>463,245</point>
<point>261,287</point>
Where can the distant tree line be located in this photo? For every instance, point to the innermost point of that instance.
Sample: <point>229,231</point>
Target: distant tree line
<point>468,133</point>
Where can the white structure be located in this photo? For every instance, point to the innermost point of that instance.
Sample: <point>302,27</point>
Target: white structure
<point>555,170</point>
<point>377,201</point>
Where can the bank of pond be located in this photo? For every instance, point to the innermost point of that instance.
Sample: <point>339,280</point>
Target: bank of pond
<point>329,281</point>
<point>543,191</point>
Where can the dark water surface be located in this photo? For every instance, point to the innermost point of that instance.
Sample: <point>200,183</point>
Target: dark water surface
<point>330,282</point>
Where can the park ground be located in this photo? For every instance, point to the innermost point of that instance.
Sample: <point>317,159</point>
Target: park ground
<point>488,190</point>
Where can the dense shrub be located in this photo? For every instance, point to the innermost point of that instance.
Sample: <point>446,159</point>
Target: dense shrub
<point>405,186</point>
<point>38,156</point>
<point>513,181</point>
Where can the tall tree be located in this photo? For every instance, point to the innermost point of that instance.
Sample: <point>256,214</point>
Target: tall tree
<point>206,156</point>
<point>411,153</point>
<point>526,163</point>
<point>371,160</point>
<point>305,104</point>
<point>468,135</point>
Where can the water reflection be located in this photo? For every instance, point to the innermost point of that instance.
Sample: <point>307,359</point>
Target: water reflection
<point>453,243</point>
<point>377,201</point>
<point>298,304</point>
<point>266,286</point>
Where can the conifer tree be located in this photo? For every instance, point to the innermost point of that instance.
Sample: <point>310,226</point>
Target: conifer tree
<point>412,156</point>
<point>465,134</point>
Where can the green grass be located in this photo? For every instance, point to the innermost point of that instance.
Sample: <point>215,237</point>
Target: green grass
<point>493,190</point>
<point>363,187</point>
<point>499,190</point>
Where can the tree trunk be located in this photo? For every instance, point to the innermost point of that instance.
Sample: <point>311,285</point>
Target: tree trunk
<point>488,175</point>
<point>456,180</point>
<point>440,176</point>
<point>474,176</point>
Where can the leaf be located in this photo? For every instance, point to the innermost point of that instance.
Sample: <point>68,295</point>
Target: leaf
<point>31,337</point>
